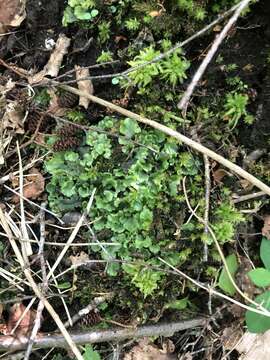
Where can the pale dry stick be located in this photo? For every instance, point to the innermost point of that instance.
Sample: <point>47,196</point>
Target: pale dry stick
<point>248,197</point>
<point>161,56</point>
<point>116,335</point>
<point>182,138</point>
<point>40,308</point>
<point>36,289</point>
<point>183,103</point>
<point>20,237</point>
<point>207,199</point>
<point>32,203</point>
<point>201,220</point>
<point>72,236</point>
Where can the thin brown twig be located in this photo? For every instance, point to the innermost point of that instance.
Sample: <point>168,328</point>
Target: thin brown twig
<point>183,103</point>
<point>207,200</point>
<point>182,138</point>
<point>87,67</point>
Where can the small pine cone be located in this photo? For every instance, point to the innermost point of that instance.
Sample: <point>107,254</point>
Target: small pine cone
<point>91,319</point>
<point>66,143</point>
<point>67,100</point>
<point>20,95</point>
<point>68,130</point>
<point>33,119</point>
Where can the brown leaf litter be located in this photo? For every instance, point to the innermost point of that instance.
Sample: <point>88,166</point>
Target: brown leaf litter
<point>34,185</point>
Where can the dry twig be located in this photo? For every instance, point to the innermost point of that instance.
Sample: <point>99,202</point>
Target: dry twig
<point>182,105</point>
<point>90,337</point>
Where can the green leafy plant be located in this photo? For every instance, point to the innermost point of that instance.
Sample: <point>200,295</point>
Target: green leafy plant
<point>173,68</point>
<point>133,183</point>
<point>79,10</point>
<point>90,354</point>
<point>132,24</point>
<point>260,277</point>
<point>104,31</point>
<point>193,9</point>
<point>224,281</point>
<point>236,108</point>
<point>226,218</point>
<point>105,56</point>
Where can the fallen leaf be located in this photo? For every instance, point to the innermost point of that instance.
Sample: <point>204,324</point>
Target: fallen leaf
<point>13,117</point>
<point>53,65</point>
<point>147,351</point>
<point>155,13</point>
<point>246,185</point>
<point>217,28</point>
<point>231,335</point>
<point>54,107</point>
<point>254,346</point>
<point>33,187</point>
<point>219,174</point>
<point>25,325</point>
<point>266,227</point>
<point>248,67</point>
<point>61,48</point>
<point>79,259</point>
<point>84,85</point>
<point>12,12</point>
<point>119,38</point>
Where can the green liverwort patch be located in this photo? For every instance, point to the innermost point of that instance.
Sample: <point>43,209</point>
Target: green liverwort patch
<point>137,176</point>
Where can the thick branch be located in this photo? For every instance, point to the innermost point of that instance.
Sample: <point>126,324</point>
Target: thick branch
<point>90,337</point>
